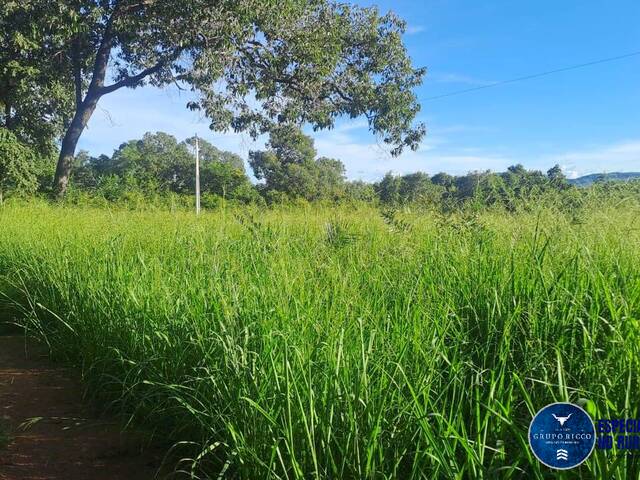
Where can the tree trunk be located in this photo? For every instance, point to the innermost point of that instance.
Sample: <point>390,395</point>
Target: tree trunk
<point>85,109</point>
<point>7,115</point>
<point>69,143</point>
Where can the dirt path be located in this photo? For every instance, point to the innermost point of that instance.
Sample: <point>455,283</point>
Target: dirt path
<point>60,438</point>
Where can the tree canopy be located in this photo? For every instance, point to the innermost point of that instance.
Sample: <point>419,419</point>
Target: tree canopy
<point>158,169</point>
<point>36,87</point>
<point>289,167</point>
<point>210,154</point>
<point>17,166</point>
<point>255,64</point>
<point>159,163</point>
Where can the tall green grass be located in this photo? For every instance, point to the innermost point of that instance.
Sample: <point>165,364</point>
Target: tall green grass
<point>335,343</point>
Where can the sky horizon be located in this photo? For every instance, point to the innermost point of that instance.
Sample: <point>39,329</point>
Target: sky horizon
<point>587,120</point>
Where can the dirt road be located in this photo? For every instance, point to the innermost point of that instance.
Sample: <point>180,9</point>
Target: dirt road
<point>53,435</point>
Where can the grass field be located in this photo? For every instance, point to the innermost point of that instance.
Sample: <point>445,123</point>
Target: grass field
<point>340,343</point>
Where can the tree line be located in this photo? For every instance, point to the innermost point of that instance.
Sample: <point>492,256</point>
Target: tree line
<point>287,170</point>
<point>255,66</point>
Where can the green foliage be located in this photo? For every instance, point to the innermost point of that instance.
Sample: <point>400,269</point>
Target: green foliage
<point>413,188</point>
<point>338,343</point>
<point>156,161</point>
<point>388,189</point>
<point>36,86</point>
<point>157,164</point>
<point>330,178</point>
<point>311,62</point>
<point>256,64</point>
<point>359,191</point>
<point>210,154</point>
<point>17,172</point>
<point>443,179</point>
<point>513,189</point>
<point>290,145</point>
<point>145,171</point>
<point>289,168</point>
<point>291,173</point>
<point>557,178</point>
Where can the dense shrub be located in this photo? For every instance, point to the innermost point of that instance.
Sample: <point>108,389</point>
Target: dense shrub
<point>17,166</point>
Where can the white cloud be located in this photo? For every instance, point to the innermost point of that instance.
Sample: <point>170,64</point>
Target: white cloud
<point>128,114</point>
<point>370,161</point>
<point>617,157</point>
<point>415,29</point>
<point>132,113</point>
<point>569,171</point>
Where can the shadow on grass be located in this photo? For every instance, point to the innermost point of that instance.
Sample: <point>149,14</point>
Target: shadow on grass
<point>9,310</point>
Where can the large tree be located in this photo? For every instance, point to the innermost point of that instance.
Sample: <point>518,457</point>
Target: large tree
<point>158,162</point>
<point>289,167</point>
<point>254,63</point>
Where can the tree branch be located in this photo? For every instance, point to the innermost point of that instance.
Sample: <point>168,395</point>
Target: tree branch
<point>102,56</point>
<point>132,80</point>
<point>77,71</point>
<point>7,115</point>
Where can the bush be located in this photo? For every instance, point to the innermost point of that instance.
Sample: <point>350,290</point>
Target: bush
<point>17,161</point>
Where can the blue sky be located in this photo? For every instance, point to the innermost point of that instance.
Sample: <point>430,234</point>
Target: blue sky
<point>587,120</point>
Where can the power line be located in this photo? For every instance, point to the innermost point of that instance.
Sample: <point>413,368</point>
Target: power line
<point>535,75</point>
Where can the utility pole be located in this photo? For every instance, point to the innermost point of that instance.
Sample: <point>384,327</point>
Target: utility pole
<point>197,177</point>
